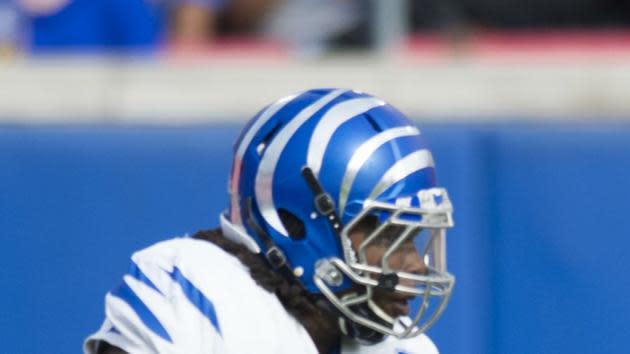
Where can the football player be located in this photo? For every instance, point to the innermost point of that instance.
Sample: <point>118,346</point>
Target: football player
<point>333,242</point>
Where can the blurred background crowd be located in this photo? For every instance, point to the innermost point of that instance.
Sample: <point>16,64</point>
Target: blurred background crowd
<point>310,27</point>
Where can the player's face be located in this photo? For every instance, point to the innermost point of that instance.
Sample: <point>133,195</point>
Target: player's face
<point>405,258</point>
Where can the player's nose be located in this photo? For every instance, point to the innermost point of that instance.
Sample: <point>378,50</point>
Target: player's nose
<point>413,264</point>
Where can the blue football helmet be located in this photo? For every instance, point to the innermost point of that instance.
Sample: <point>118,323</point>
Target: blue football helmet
<point>310,172</point>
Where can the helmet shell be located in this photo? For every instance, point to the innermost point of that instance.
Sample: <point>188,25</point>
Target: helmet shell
<point>359,148</point>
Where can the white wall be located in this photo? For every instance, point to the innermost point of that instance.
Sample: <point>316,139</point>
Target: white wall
<point>234,87</point>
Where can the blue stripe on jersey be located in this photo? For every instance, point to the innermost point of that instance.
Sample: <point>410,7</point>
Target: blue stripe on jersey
<point>125,293</point>
<point>137,274</point>
<point>196,297</point>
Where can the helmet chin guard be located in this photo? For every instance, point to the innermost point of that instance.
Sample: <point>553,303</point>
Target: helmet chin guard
<point>392,295</point>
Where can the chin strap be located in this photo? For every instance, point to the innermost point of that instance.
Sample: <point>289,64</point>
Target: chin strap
<point>359,333</point>
<point>352,330</point>
<point>324,203</point>
<point>274,255</point>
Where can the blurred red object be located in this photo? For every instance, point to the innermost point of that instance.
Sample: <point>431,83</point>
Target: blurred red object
<point>518,45</point>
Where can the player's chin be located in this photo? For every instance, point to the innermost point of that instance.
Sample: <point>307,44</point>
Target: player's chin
<point>398,308</point>
<point>394,306</point>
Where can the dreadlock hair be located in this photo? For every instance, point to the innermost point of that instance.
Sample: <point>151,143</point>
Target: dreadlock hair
<point>315,314</point>
<point>294,298</point>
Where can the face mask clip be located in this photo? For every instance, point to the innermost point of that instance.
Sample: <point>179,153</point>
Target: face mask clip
<point>388,281</point>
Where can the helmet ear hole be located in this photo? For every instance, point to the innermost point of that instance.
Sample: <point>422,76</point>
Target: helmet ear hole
<point>293,224</point>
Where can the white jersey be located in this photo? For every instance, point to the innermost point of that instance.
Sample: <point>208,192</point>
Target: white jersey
<point>188,296</point>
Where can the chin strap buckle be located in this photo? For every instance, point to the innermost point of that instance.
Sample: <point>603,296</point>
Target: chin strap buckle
<point>324,203</point>
<point>276,257</point>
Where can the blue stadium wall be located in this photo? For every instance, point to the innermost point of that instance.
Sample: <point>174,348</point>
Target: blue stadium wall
<point>541,249</point>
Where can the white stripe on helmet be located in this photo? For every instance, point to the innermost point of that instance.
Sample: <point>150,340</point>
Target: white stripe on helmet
<point>267,167</point>
<point>363,154</point>
<point>404,167</point>
<point>330,122</point>
<point>270,111</point>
